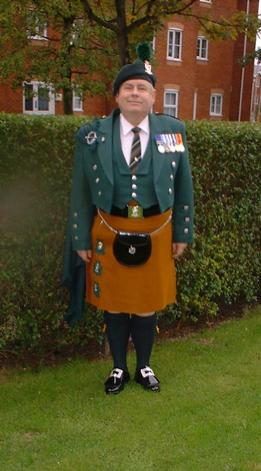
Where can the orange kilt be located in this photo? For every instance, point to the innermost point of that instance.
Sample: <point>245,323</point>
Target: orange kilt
<point>114,287</point>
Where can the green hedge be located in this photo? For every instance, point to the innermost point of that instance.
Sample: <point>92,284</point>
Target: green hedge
<point>221,268</point>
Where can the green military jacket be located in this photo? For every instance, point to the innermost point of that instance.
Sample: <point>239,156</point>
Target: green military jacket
<point>93,186</point>
<point>93,179</point>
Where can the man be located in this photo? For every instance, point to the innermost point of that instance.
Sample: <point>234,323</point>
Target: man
<point>131,216</point>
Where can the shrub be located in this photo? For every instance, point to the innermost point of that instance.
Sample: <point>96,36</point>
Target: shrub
<point>36,159</point>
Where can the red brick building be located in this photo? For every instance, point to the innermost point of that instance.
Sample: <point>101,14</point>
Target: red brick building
<point>197,78</point>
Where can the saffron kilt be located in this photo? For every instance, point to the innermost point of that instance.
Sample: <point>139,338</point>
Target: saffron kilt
<point>114,287</point>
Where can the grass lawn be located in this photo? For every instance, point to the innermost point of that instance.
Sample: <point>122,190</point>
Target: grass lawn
<point>206,418</point>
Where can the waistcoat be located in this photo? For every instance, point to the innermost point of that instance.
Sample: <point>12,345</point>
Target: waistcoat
<point>128,186</point>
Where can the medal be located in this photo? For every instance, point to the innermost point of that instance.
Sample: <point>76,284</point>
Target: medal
<point>159,138</point>
<point>161,148</point>
<point>179,146</point>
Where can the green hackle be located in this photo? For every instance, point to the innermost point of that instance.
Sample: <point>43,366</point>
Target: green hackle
<point>144,51</point>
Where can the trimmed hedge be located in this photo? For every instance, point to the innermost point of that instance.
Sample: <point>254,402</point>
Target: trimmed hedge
<point>222,266</point>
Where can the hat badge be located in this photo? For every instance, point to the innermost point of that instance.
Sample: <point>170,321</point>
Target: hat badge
<point>147,67</point>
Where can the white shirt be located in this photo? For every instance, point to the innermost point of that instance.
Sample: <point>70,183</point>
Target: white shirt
<point>127,135</point>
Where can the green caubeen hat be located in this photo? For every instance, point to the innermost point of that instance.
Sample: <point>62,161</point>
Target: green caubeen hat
<point>140,69</point>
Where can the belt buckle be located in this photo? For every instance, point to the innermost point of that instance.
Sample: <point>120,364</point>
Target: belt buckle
<point>135,211</point>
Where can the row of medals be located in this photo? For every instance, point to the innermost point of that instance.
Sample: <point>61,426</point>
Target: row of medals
<point>169,143</point>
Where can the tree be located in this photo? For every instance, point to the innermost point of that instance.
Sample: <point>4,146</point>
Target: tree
<point>71,55</point>
<point>126,19</point>
<point>89,39</point>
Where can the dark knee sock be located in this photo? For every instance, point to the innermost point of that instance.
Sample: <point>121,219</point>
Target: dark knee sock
<point>143,333</point>
<point>118,332</point>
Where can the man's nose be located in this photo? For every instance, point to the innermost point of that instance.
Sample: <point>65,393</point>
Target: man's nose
<point>135,91</point>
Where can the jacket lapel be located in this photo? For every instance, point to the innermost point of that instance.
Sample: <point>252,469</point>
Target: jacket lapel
<point>104,148</point>
<point>157,157</point>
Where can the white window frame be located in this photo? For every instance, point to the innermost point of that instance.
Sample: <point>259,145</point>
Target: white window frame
<point>51,104</point>
<point>200,39</point>
<point>213,104</point>
<point>153,43</point>
<point>37,35</point>
<point>77,96</point>
<point>174,31</point>
<point>170,106</point>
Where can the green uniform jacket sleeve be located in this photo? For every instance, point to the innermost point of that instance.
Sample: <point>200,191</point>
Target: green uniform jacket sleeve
<point>183,212</point>
<point>81,207</point>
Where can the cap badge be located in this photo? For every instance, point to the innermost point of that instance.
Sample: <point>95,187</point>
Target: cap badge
<point>147,67</point>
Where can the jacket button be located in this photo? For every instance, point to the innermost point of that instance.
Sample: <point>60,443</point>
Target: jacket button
<point>170,191</point>
<point>173,164</point>
<point>94,167</point>
<point>97,180</point>
<point>133,195</point>
<point>186,207</point>
<point>134,178</point>
<point>134,187</point>
<point>75,215</point>
<point>187,219</point>
<point>171,176</point>
<point>99,193</point>
<point>75,226</point>
<point>76,237</point>
<point>186,230</point>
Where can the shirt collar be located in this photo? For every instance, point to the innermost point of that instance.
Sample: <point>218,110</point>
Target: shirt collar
<point>127,127</point>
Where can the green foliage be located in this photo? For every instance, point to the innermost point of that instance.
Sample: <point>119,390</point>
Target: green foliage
<point>222,266</point>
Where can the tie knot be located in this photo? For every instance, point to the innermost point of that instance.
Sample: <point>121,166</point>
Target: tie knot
<point>136,130</point>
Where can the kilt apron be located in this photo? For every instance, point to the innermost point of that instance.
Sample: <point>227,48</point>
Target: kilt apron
<point>112,286</point>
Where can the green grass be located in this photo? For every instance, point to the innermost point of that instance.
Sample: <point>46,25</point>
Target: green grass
<point>206,418</point>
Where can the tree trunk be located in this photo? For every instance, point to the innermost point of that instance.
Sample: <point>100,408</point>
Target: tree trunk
<point>67,101</point>
<point>122,36</point>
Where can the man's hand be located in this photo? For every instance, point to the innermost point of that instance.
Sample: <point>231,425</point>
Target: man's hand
<point>86,255</point>
<point>178,249</point>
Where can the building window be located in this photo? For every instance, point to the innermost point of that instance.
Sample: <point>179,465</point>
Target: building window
<point>216,104</point>
<point>37,99</point>
<point>174,44</point>
<point>171,102</point>
<point>77,102</point>
<point>202,48</point>
<point>37,25</point>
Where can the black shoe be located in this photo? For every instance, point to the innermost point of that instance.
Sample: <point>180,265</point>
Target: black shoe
<point>115,382</point>
<point>147,379</point>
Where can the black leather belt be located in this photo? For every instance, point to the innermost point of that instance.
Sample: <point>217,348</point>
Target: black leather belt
<point>123,212</point>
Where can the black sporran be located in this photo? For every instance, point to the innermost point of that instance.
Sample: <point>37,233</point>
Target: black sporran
<point>132,249</point>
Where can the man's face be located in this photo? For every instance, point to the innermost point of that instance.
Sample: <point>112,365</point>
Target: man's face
<point>135,99</point>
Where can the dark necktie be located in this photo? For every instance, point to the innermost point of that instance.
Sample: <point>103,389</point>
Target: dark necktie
<point>135,149</point>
